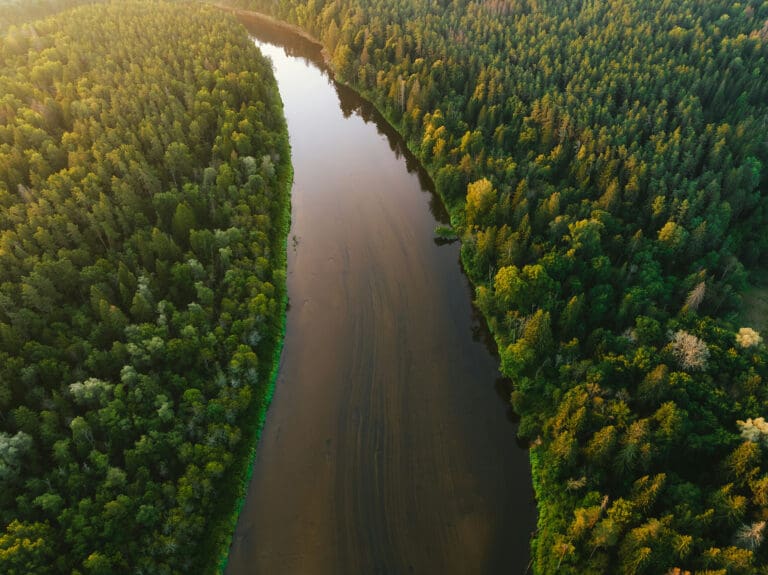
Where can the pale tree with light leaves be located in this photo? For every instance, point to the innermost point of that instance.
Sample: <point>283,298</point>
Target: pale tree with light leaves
<point>754,430</point>
<point>750,536</point>
<point>690,351</point>
<point>748,337</point>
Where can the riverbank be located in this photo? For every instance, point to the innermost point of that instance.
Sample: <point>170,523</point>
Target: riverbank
<point>268,371</point>
<point>260,17</point>
<point>220,539</point>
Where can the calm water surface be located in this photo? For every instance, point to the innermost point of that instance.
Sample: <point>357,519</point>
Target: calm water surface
<point>387,448</point>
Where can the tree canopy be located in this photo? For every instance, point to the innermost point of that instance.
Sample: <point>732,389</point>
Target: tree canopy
<point>144,178</point>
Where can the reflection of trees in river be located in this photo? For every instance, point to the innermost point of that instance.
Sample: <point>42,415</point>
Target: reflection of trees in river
<point>352,103</point>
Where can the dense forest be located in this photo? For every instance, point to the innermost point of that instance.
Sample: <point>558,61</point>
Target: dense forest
<point>144,180</point>
<point>604,166</point>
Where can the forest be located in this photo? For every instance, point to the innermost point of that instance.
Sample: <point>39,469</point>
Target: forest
<point>144,207</point>
<point>604,165</point>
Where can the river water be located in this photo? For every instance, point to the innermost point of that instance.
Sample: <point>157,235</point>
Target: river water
<point>389,447</point>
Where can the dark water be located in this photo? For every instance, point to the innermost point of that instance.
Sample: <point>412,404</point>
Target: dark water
<point>387,448</point>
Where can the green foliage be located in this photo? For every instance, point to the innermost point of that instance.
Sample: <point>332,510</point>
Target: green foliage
<point>446,233</point>
<point>143,197</point>
<point>604,167</point>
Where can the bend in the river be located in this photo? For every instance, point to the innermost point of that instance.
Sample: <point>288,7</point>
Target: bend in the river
<point>386,448</point>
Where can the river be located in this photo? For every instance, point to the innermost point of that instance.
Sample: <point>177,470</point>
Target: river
<point>389,446</point>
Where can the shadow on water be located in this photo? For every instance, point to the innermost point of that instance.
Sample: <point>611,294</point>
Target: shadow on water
<point>351,103</point>
<point>444,241</point>
<point>292,44</point>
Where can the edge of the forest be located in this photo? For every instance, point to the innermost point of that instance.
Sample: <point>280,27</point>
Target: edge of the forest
<point>243,469</point>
